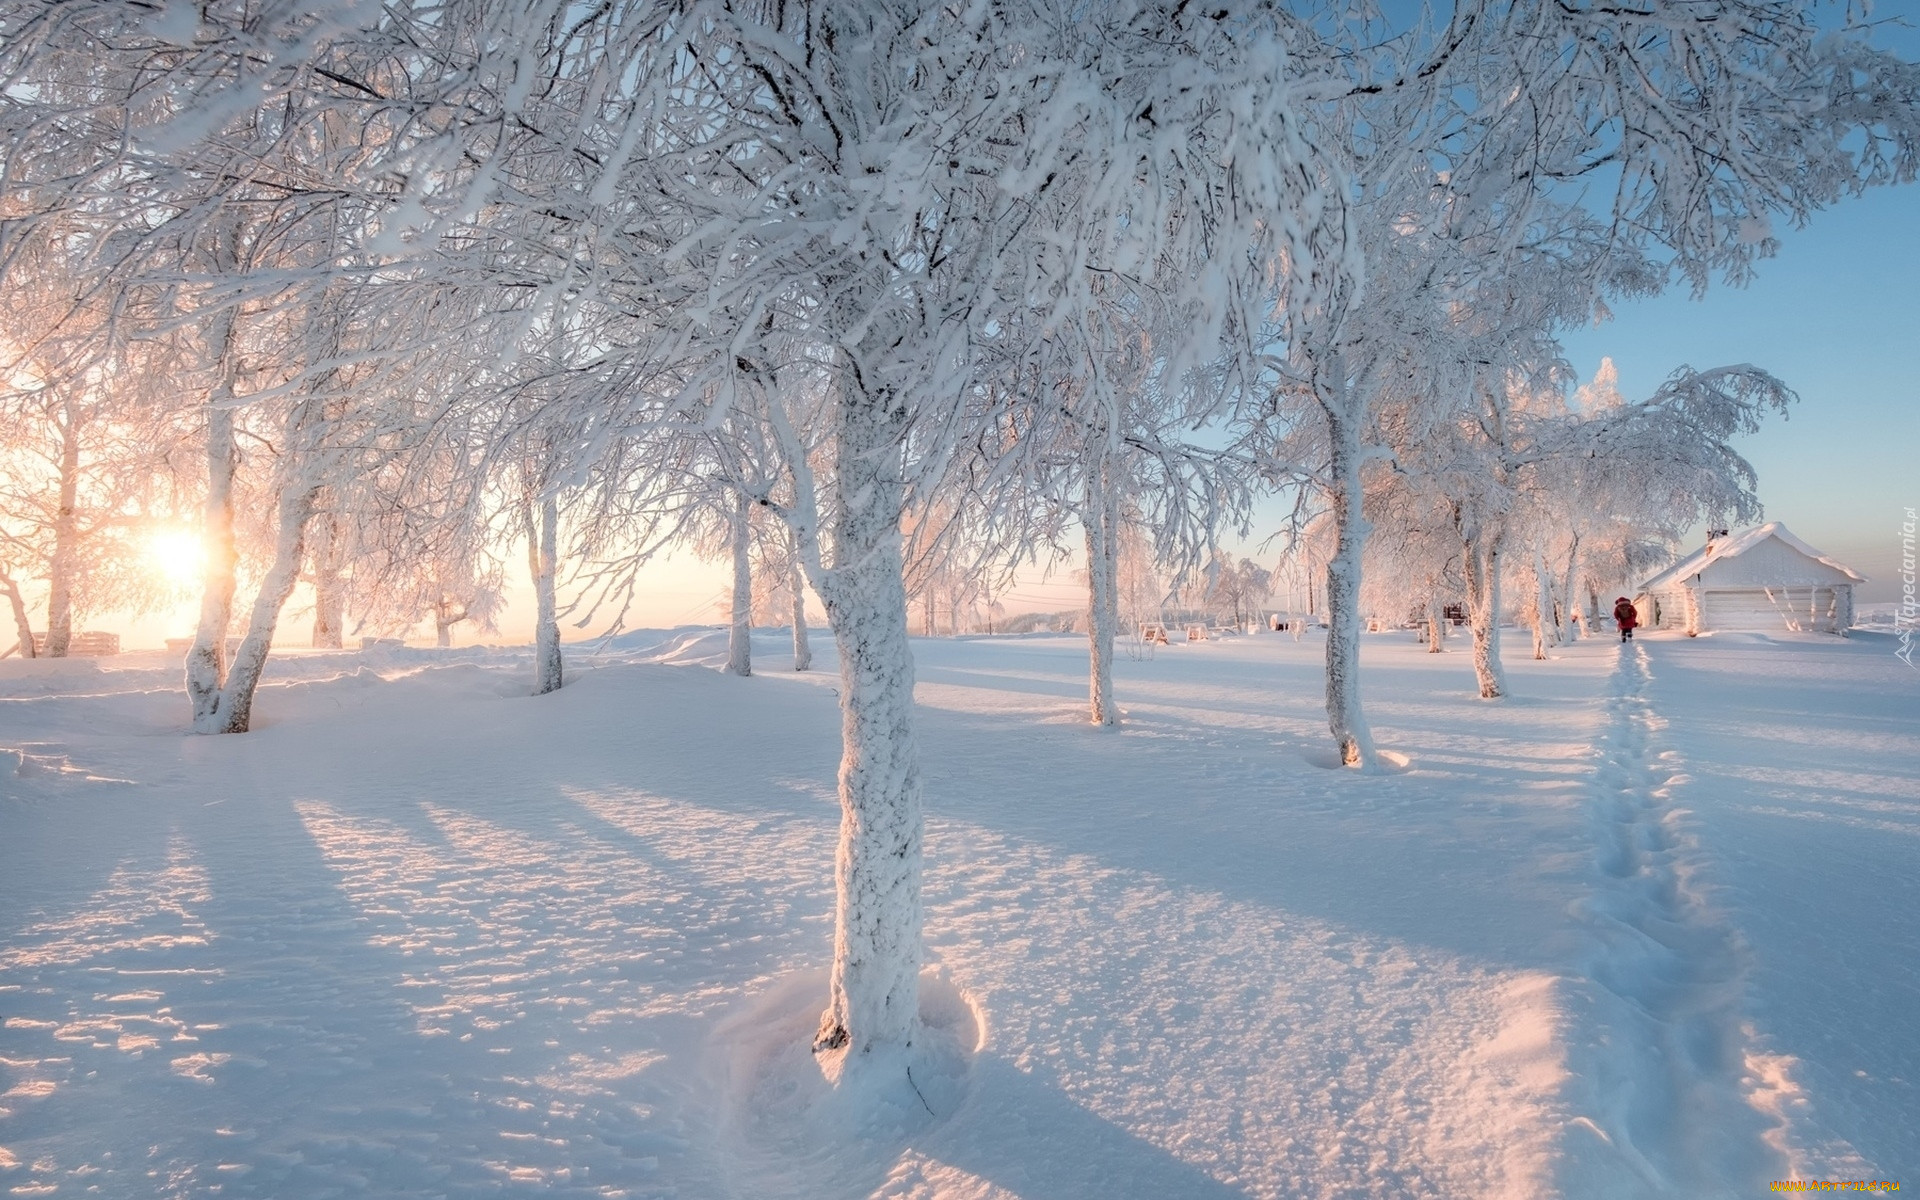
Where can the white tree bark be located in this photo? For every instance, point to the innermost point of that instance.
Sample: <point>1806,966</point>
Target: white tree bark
<point>1572,625</point>
<point>206,666</point>
<point>1436,624</point>
<point>1483,613</point>
<point>207,659</point>
<point>1101,517</point>
<point>802,650</point>
<point>1544,633</point>
<point>329,584</point>
<point>232,707</point>
<point>541,536</point>
<point>874,996</point>
<point>740,630</point>
<point>1344,717</point>
<point>21,623</point>
<point>66,535</point>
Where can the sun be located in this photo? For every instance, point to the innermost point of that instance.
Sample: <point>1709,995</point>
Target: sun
<point>178,557</point>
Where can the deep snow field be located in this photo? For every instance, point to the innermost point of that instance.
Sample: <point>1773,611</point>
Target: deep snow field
<point>1645,928</point>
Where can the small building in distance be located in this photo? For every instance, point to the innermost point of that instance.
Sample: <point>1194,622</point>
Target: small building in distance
<point>1762,580</point>
<point>82,645</point>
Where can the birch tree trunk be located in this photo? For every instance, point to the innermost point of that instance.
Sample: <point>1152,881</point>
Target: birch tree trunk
<point>1548,618</point>
<point>1542,608</point>
<point>329,587</point>
<point>874,996</point>
<point>207,659</point>
<point>740,631</point>
<point>1102,520</point>
<point>541,538</point>
<point>1575,627</point>
<point>1344,718</point>
<point>21,623</point>
<point>66,534</point>
<point>1483,613</point>
<point>802,650</point>
<point>206,667</point>
<point>329,612</point>
<point>232,709</point>
<point>1436,625</point>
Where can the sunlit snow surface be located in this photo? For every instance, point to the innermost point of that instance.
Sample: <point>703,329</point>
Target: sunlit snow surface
<point>1645,929</point>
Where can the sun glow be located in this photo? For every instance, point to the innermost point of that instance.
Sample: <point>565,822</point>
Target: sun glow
<point>178,557</point>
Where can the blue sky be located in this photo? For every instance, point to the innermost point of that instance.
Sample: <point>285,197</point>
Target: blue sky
<point>1837,316</point>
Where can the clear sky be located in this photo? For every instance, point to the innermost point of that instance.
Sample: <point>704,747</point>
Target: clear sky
<point>1837,316</point>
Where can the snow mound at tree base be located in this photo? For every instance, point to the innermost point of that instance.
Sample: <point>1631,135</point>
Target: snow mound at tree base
<point>795,1122</point>
<point>1385,762</point>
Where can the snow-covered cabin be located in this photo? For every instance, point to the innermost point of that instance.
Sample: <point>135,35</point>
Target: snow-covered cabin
<point>1762,579</point>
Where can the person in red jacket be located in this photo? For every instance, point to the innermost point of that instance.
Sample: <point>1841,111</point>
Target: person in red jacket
<point>1626,616</point>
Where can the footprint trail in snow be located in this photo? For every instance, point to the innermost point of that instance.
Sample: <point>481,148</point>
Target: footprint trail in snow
<point>1677,1097</point>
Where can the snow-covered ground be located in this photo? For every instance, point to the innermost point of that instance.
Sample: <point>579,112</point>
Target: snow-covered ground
<point>1646,928</point>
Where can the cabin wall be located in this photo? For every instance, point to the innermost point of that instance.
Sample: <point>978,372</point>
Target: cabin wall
<point>1773,564</point>
<point>1816,608</point>
<point>1665,608</point>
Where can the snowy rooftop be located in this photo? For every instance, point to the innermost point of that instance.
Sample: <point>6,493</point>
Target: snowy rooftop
<point>1739,543</point>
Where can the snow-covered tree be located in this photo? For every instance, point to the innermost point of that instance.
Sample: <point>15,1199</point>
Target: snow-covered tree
<point>87,476</point>
<point>882,189</point>
<point>542,514</point>
<point>780,585</point>
<point>1235,588</point>
<point>1560,155</point>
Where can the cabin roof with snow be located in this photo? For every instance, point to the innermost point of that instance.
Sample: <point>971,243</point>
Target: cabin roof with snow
<point>1767,562</point>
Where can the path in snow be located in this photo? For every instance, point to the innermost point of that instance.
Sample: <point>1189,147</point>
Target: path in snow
<point>1662,1056</point>
<point>1802,756</point>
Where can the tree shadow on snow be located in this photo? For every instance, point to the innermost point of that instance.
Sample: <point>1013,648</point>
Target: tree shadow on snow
<point>1244,813</point>
<point>1023,1134</point>
<point>782,1132</point>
